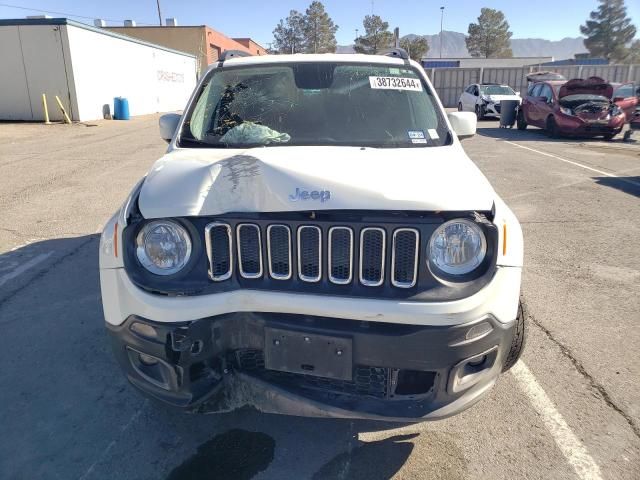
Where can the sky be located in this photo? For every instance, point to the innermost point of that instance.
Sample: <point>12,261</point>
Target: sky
<point>549,19</point>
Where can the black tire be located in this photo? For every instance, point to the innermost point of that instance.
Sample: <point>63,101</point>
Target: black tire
<point>551,127</point>
<point>520,121</point>
<point>460,106</point>
<point>609,136</point>
<point>479,112</point>
<point>519,340</point>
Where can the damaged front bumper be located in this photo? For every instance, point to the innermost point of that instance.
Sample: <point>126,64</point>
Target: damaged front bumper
<point>313,366</point>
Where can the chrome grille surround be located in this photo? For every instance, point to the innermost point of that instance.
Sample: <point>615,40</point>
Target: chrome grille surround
<point>241,248</point>
<point>332,267</point>
<point>257,250</point>
<point>303,267</point>
<point>405,259</point>
<point>208,232</point>
<point>365,270</point>
<point>270,257</point>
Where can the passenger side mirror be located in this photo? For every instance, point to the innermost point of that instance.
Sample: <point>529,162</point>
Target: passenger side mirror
<point>463,123</point>
<point>168,124</point>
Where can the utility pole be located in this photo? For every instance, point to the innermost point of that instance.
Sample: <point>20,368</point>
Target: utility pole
<point>159,14</point>
<point>441,19</point>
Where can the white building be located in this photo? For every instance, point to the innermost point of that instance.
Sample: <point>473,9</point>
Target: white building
<point>86,67</point>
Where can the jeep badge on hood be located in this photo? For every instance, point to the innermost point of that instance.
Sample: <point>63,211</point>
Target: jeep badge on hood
<point>322,195</point>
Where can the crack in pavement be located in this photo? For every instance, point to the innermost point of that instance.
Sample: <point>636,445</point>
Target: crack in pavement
<point>593,383</point>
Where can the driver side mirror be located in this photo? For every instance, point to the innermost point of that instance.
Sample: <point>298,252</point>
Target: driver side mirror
<point>168,124</point>
<point>463,123</point>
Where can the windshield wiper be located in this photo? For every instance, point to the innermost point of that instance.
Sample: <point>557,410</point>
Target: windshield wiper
<point>192,143</point>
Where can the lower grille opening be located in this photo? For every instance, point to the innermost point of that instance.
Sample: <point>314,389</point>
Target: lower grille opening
<point>367,381</point>
<point>414,382</point>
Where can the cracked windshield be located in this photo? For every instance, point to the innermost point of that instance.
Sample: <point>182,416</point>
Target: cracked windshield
<point>315,104</point>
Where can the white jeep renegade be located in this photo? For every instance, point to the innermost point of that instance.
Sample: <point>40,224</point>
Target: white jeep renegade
<point>314,242</point>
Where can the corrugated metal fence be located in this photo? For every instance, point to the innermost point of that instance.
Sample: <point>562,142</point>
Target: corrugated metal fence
<point>449,82</point>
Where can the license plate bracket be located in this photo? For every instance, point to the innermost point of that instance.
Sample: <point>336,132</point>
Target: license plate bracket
<point>308,353</point>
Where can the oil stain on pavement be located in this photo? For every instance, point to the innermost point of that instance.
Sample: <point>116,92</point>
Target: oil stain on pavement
<point>438,458</point>
<point>236,454</point>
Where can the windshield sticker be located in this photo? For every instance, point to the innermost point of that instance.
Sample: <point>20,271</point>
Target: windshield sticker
<point>415,134</point>
<point>395,83</point>
<point>433,134</point>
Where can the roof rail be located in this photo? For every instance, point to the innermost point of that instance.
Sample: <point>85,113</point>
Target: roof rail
<point>398,53</point>
<point>228,54</point>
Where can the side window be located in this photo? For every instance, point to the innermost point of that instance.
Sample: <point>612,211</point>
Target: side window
<point>469,89</point>
<point>535,91</point>
<point>546,92</point>
<point>476,90</point>
<point>624,91</point>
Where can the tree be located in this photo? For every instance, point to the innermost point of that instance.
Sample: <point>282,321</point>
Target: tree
<point>490,37</point>
<point>416,47</point>
<point>633,56</point>
<point>608,31</point>
<point>288,36</point>
<point>319,30</point>
<point>376,38</point>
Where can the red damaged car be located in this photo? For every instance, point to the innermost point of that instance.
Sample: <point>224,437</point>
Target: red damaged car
<point>576,108</point>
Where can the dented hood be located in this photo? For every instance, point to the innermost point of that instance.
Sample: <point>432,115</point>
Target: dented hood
<point>590,86</point>
<point>200,182</point>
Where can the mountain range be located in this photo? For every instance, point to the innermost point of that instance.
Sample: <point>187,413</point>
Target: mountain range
<point>453,46</point>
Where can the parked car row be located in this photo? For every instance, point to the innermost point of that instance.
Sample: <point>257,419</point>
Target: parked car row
<point>579,107</point>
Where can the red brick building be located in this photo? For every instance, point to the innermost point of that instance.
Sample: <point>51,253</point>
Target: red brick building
<point>200,40</point>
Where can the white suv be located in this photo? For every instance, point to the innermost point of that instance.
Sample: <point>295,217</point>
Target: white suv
<point>314,242</point>
<point>484,99</point>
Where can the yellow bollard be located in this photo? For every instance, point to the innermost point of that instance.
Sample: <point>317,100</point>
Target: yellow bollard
<point>64,112</point>
<point>46,110</point>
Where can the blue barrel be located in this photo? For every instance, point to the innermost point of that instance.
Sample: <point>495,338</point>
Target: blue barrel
<point>120,108</point>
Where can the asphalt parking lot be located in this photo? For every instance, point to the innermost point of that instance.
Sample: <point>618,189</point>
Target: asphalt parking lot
<point>570,408</point>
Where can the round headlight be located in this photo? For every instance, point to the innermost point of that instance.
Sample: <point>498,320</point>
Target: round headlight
<point>163,247</point>
<point>457,247</point>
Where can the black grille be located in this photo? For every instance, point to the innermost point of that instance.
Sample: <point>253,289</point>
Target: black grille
<point>249,250</point>
<point>367,381</point>
<point>404,257</point>
<point>340,254</point>
<point>372,256</point>
<point>279,248</point>
<point>219,238</point>
<point>309,253</point>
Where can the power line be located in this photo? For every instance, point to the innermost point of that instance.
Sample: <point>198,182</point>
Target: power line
<point>66,14</point>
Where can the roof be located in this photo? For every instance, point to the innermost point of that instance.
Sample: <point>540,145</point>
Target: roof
<point>12,22</point>
<point>316,57</point>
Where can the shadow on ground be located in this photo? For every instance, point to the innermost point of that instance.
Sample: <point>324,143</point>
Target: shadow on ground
<point>533,134</point>
<point>630,185</point>
<point>69,412</point>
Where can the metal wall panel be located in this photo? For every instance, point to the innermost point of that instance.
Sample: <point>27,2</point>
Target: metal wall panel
<point>450,82</point>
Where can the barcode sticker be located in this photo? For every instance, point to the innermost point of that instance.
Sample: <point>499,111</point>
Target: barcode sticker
<point>396,83</point>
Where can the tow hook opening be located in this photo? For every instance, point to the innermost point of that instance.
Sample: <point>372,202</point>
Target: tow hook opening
<point>472,370</point>
<point>153,369</point>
